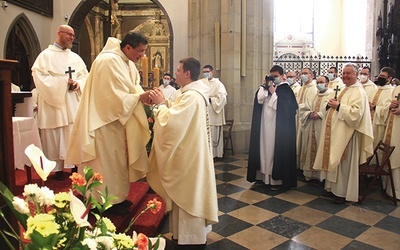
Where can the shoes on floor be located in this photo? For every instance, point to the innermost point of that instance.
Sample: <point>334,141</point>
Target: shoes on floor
<point>191,247</point>
<point>328,194</point>
<point>276,188</point>
<point>339,200</point>
<point>59,176</point>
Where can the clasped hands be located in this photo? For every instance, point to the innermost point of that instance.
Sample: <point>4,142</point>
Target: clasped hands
<point>151,97</point>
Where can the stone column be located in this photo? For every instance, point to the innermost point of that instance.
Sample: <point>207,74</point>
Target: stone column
<point>258,53</point>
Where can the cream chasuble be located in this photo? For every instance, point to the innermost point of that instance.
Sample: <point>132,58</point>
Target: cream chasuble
<point>392,137</point>
<point>111,129</point>
<point>369,87</point>
<point>350,142</point>
<point>337,82</point>
<point>182,168</point>
<point>308,93</point>
<point>311,133</point>
<point>381,98</point>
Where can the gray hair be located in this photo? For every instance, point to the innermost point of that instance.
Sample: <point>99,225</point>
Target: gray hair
<point>353,66</point>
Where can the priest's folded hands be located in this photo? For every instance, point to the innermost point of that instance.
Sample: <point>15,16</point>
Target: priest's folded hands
<point>156,96</point>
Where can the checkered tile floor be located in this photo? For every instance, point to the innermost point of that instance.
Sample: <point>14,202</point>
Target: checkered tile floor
<point>255,217</point>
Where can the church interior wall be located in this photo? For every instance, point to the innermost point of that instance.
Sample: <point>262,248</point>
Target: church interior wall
<point>193,23</point>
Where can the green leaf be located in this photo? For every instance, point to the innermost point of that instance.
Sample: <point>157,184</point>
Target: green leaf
<point>88,173</point>
<point>8,198</point>
<point>10,246</point>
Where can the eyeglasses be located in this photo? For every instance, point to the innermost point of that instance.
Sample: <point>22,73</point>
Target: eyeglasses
<point>68,33</point>
<point>141,51</point>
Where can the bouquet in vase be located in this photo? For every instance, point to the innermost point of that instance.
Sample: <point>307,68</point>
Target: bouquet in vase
<point>60,221</point>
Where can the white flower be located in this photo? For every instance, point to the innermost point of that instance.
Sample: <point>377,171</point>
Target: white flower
<point>30,191</point>
<point>91,243</point>
<point>45,197</point>
<point>42,165</point>
<point>107,241</point>
<point>78,209</point>
<point>20,205</point>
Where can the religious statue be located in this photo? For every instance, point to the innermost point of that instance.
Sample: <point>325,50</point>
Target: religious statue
<point>158,59</point>
<point>116,25</point>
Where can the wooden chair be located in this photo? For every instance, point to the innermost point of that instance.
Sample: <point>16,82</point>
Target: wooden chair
<point>228,136</point>
<point>376,169</point>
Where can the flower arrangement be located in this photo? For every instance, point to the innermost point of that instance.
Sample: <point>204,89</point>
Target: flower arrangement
<point>60,221</point>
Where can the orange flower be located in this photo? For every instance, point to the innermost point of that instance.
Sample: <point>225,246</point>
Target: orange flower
<point>98,176</point>
<point>142,242</point>
<point>77,179</point>
<point>150,119</point>
<point>154,205</point>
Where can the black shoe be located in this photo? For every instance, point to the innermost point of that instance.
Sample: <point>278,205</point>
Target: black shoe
<point>191,247</point>
<point>59,176</point>
<point>339,200</point>
<point>328,194</point>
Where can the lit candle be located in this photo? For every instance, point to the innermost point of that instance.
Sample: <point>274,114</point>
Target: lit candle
<point>157,76</point>
<point>145,70</point>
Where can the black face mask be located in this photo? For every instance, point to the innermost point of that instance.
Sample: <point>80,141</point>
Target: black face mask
<point>381,81</point>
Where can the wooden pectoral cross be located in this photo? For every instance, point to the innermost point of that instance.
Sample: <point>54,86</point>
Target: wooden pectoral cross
<point>336,91</point>
<point>397,97</point>
<point>69,72</point>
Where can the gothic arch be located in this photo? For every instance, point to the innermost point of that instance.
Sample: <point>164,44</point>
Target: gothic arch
<point>22,44</point>
<point>84,7</point>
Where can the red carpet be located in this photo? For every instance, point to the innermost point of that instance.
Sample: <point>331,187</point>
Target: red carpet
<point>139,194</point>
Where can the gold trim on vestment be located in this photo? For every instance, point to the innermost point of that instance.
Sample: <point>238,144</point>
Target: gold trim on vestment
<point>374,101</point>
<point>327,141</point>
<point>314,148</point>
<point>389,129</point>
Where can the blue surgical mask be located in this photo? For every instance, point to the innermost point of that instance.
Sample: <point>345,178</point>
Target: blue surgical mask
<point>207,75</point>
<point>331,76</point>
<point>277,80</point>
<point>321,87</point>
<point>290,81</point>
<point>304,78</point>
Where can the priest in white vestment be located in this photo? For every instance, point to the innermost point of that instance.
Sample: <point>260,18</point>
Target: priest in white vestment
<point>216,110</point>
<point>346,138</point>
<point>307,94</point>
<point>182,168</point>
<point>379,102</point>
<point>111,130</point>
<point>312,114</point>
<point>392,137</point>
<point>59,76</point>
<point>291,78</point>
<point>167,90</point>
<point>365,80</point>
<point>334,79</point>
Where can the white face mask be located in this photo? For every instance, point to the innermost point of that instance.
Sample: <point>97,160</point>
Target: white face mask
<point>304,78</point>
<point>207,75</point>
<point>363,78</point>
<point>166,82</point>
<point>321,87</point>
<point>277,80</point>
<point>331,76</point>
<point>290,81</point>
